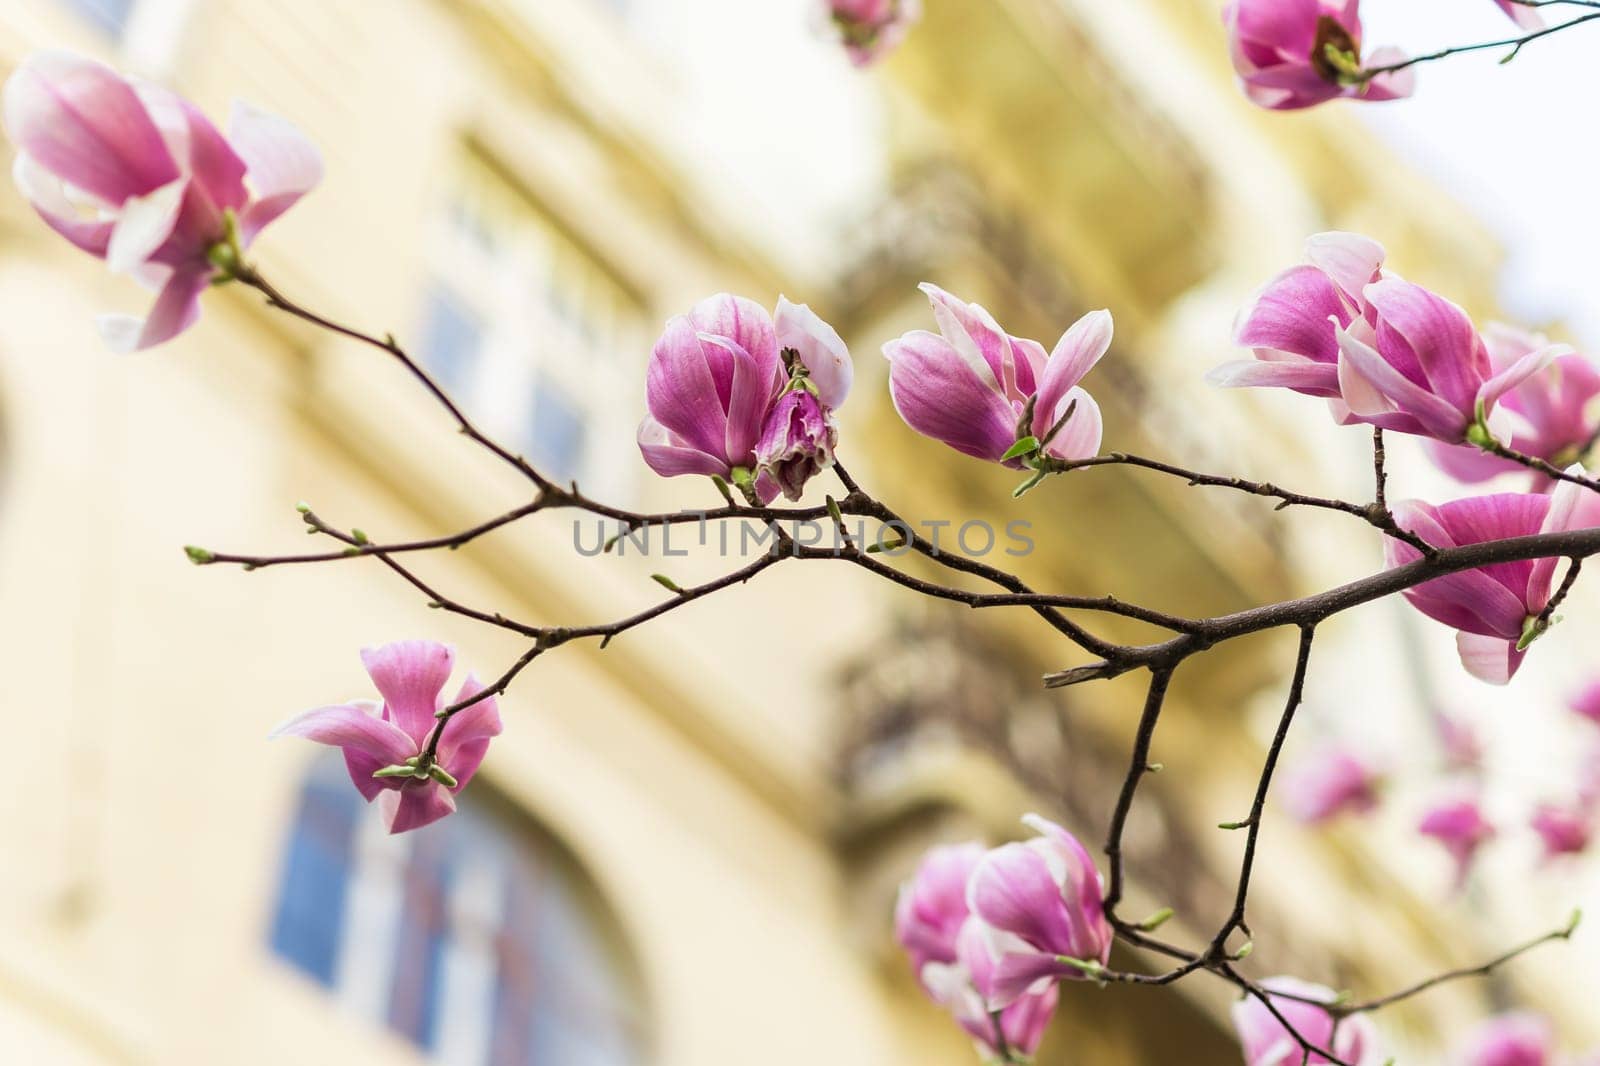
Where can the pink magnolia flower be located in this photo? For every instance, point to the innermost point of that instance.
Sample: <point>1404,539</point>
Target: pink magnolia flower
<point>972,385</point>
<point>955,987</point>
<point>872,28</point>
<point>1493,608</point>
<point>1329,782</point>
<point>137,176</point>
<point>1563,830</point>
<point>1589,779</point>
<point>1383,351</point>
<point>936,929</point>
<point>1549,415</point>
<point>1267,1042</point>
<point>722,401</point>
<point>1037,901</point>
<point>1519,1039</point>
<point>381,742</point>
<point>1297,53</point>
<point>1522,14</point>
<point>1460,826</point>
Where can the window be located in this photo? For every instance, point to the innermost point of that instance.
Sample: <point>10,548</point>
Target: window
<point>109,16</point>
<point>475,938</point>
<point>530,333</point>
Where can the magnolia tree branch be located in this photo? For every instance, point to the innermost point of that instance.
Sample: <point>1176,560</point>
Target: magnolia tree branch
<point>1187,636</point>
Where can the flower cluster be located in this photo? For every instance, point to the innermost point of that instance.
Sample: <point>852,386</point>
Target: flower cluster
<point>1389,353</point>
<point>990,934</point>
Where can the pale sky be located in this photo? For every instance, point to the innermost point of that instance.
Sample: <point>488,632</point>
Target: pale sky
<point>1515,142</point>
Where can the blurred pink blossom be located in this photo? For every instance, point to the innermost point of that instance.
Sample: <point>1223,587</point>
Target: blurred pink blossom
<point>1460,826</point>
<point>872,28</point>
<point>1328,782</point>
<point>1519,1039</point>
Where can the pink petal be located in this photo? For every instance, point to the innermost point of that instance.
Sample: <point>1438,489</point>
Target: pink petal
<point>177,307</point>
<point>745,323</point>
<point>466,736</point>
<point>1490,659</point>
<point>1439,334</point>
<point>940,395</point>
<point>282,165</point>
<point>144,225</point>
<point>1313,379</point>
<point>418,804</point>
<point>85,124</point>
<point>1352,261</point>
<point>748,400</point>
<point>1374,388</point>
<point>1080,437</point>
<point>681,391</point>
<point>1561,516</point>
<point>1518,372</point>
<point>976,338</point>
<point>1079,349</point>
<point>353,727</point>
<point>821,351</point>
<point>1523,15</point>
<point>1295,313</point>
<point>410,675</point>
<point>45,192</point>
<point>669,456</point>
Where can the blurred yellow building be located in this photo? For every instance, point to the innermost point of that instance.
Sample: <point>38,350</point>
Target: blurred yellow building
<point>683,851</point>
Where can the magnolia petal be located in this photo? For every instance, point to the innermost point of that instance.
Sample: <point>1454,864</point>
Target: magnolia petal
<point>177,307</point>
<point>748,400</point>
<point>1523,15</point>
<point>743,322</point>
<point>45,192</point>
<point>1083,345</point>
<point>144,225</point>
<point>351,726</point>
<point>821,351</point>
<point>1352,261</point>
<point>681,391</point>
<point>466,735</point>
<point>85,124</point>
<point>282,164</point>
<point>409,675</point>
<point>1489,659</point>
<point>1080,437</point>
<point>975,337</point>
<point>1371,387</point>
<point>1394,85</point>
<point>670,457</point>
<point>1439,334</point>
<point>1561,516</point>
<point>1313,379</point>
<point>1519,371</point>
<point>416,805</point>
<point>940,395</point>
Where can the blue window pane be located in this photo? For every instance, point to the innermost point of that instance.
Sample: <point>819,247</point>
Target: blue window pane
<point>110,16</point>
<point>424,929</point>
<point>451,338</point>
<point>305,930</point>
<point>557,431</point>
